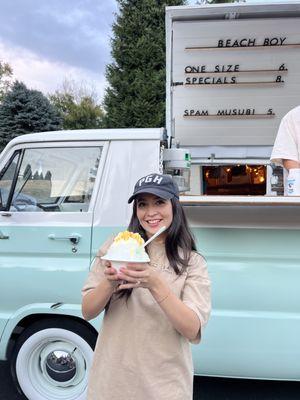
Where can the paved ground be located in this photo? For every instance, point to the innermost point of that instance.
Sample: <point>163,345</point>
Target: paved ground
<point>244,389</point>
<point>205,389</point>
<point>7,389</point>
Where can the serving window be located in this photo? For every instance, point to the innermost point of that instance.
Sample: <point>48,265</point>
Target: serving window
<point>255,179</point>
<point>234,180</point>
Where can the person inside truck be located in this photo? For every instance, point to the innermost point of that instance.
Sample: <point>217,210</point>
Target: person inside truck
<point>153,311</point>
<point>286,149</point>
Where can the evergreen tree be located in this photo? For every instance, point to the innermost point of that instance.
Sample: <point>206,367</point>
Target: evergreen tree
<point>48,176</point>
<point>136,93</point>
<point>36,176</point>
<point>27,172</point>
<point>25,111</point>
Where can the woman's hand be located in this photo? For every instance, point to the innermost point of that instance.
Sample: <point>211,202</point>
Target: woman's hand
<point>111,275</point>
<point>137,275</point>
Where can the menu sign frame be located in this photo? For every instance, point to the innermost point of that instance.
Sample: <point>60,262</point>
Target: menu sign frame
<point>231,81</point>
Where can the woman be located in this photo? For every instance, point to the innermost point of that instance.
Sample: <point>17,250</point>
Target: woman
<point>152,311</point>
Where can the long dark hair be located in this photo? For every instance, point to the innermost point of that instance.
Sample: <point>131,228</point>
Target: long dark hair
<point>179,238</point>
<point>179,241</point>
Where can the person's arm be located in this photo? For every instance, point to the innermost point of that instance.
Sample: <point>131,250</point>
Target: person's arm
<point>288,164</point>
<point>183,318</point>
<point>99,286</point>
<point>95,300</point>
<point>187,315</point>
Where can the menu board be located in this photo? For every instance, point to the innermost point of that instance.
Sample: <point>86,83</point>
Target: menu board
<point>233,80</point>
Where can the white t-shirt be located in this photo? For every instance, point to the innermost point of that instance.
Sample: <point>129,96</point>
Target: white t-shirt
<point>287,142</point>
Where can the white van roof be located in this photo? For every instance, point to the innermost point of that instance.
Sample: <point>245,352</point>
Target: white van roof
<point>90,135</point>
<point>251,9</point>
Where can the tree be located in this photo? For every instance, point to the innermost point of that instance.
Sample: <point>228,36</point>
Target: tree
<point>77,105</point>
<point>27,172</point>
<point>6,73</point>
<point>25,111</point>
<point>48,176</point>
<point>36,176</point>
<point>136,93</point>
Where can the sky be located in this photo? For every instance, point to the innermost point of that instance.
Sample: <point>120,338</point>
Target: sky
<point>48,41</point>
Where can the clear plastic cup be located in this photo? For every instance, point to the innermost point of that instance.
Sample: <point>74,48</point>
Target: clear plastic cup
<point>293,182</point>
<point>118,264</point>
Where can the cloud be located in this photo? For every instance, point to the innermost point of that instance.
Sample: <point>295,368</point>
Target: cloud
<point>48,41</point>
<point>47,76</point>
<point>75,32</point>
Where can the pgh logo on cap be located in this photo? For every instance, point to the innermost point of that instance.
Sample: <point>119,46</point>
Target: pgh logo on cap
<point>150,179</point>
<point>160,185</point>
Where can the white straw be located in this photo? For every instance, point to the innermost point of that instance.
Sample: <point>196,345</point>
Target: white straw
<point>163,228</point>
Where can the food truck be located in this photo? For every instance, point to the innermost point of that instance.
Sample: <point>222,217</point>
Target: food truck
<point>232,73</point>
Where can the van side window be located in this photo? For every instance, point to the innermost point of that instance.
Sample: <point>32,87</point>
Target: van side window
<point>6,180</point>
<point>56,179</point>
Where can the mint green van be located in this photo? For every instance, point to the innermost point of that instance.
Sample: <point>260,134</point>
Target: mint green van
<point>63,193</point>
<point>59,202</point>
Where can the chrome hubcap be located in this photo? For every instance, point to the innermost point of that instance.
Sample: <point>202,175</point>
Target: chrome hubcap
<point>60,366</point>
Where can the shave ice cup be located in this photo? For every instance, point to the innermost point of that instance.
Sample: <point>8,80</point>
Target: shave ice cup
<point>119,264</point>
<point>118,261</point>
<point>293,182</point>
<point>129,247</point>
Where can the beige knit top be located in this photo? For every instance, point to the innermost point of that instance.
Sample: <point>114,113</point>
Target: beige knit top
<point>139,355</point>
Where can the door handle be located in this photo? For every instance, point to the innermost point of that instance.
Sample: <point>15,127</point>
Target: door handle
<point>74,237</point>
<point>2,236</point>
<point>5,214</point>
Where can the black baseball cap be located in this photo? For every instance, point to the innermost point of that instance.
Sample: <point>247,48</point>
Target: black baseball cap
<point>160,185</point>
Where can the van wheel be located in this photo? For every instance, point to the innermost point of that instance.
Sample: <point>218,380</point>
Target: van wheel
<point>52,358</point>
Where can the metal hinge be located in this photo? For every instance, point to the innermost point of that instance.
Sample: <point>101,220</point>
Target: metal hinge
<point>177,84</point>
